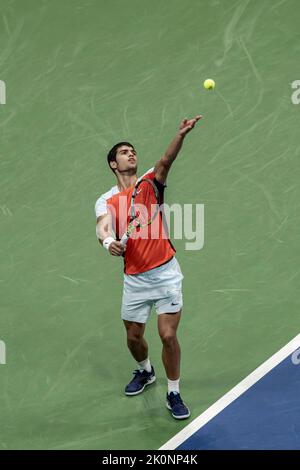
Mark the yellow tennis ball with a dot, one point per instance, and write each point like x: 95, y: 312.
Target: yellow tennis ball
x: 209, y: 84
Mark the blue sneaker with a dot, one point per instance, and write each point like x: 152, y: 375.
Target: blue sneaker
x: 176, y: 406
x: 141, y: 379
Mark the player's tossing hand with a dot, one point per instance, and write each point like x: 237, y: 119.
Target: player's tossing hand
x: 116, y: 248
x: 188, y: 124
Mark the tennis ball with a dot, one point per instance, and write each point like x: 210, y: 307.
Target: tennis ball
x: 209, y: 84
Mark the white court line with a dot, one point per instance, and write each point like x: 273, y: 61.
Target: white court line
x: 232, y: 395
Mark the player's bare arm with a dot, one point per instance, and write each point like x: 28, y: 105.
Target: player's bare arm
x: 105, y: 232
x: 163, y: 165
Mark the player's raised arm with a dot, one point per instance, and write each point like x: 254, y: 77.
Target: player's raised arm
x: 105, y: 235
x: 163, y: 165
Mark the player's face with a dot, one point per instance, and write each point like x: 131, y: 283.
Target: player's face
x: 126, y: 159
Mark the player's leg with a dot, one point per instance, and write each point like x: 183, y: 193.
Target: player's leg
x: 138, y: 347
x: 167, y: 328
x: 168, y: 307
x: 135, y: 340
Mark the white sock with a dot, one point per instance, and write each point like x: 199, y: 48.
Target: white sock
x: 145, y: 365
x: 173, y: 386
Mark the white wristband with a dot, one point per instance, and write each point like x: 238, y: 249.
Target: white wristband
x: 108, y: 241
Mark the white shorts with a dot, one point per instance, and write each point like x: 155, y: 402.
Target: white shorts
x: 161, y: 287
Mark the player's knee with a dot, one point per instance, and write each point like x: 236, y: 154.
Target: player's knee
x: 168, y: 338
x: 133, y: 339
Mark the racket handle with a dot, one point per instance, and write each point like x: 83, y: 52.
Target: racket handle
x: 124, y: 239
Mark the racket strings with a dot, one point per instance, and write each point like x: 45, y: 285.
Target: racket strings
x: 144, y: 202
x: 144, y: 205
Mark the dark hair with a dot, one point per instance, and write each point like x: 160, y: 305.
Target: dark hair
x: 111, y: 156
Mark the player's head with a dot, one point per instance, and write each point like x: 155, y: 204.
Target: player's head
x: 122, y: 158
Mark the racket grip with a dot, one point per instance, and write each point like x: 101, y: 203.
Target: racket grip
x: 124, y: 239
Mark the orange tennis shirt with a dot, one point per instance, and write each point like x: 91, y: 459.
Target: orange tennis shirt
x: 142, y: 254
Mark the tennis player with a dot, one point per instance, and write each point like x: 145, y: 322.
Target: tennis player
x: 152, y: 275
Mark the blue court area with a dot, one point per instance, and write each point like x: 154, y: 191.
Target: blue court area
x: 262, y: 412
x: 267, y: 416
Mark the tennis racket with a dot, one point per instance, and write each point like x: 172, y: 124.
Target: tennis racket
x: 144, y: 207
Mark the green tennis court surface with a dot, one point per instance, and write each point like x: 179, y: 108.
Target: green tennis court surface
x: 81, y: 75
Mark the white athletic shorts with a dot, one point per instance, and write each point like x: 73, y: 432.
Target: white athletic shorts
x: 160, y: 287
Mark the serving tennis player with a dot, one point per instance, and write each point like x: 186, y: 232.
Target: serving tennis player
x: 152, y: 275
